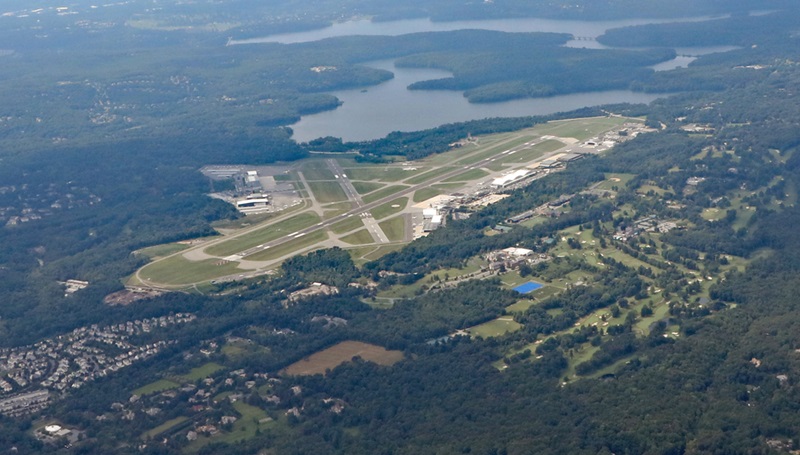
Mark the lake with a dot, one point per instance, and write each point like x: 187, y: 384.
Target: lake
x: 583, y: 29
x: 376, y: 111
x: 373, y: 112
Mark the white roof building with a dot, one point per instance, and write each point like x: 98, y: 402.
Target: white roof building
x: 518, y: 252
x: 508, y: 179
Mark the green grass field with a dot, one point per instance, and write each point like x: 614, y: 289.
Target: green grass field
x: 383, y: 192
x: 327, y: 192
x: 364, y: 254
x: 361, y: 237
x: 179, y: 271
x: 496, y: 167
x: 494, y: 150
x: 155, y: 387
x: 265, y: 234
x: 495, y: 328
x: 472, y: 174
x: 580, y: 129
x: 521, y: 306
x: 430, y: 175
x: 425, y: 194
x: 394, y: 228
x: 644, y: 189
x: 169, y: 424
x: 202, y: 372
x: 615, y: 180
x: 383, y: 173
x: 316, y: 170
x: 328, y: 214
x: 348, y: 224
x: 294, y: 245
x: 530, y: 154
x: 713, y: 214
x: 367, y: 187
x: 389, y: 208
x: 252, y: 420
x: 159, y: 251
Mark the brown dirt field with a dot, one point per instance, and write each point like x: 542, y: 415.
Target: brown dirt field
x: 128, y: 296
x: 336, y: 355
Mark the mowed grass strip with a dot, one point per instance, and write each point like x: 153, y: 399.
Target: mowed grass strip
x: 251, y: 422
x: 530, y: 154
x: 495, y: 150
x: 362, y: 237
x: 389, y: 208
x: 581, y: 129
x: 348, y: 224
x: 328, y: 359
x: 202, y: 372
x: 328, y: 214
x: 495, y: 328
x: 394, y: 228
x: 425, y: 194
x: 177, y: 270
x: 157, y: 386
x: 383, y: 192
x: 159, y: 251
x: 317, y: 170
x: 472, y: 174
x: 293, y: 246
x: 367, y: 187
x: 326, y: 192
x: 430, y: 175
x: 382, y: 251
x: 169, y: 424
x: 383, y: 173
x: 265, y: 234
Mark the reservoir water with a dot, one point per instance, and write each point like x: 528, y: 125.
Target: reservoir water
x: 373, y: 112
x: 390, y: 106
x: 583, y: 29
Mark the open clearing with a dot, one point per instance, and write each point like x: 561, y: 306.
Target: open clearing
x: 429, y: 175
x: 159, y: 251
x: 529, y: 154
x: 367, y: 187
x: 383, y: 192
x: 317, y: 170
x: 255, y: 238
x: 177, y: 270
x: 389, y: 208
x: 328, y: 359
x: 289, y: 247
x: 202, y: 372
x: 350, y: 224
x: 251, y: 421
x: 326, y: 192
x: 383, y: 174
x: 495, y: 328
x: 361, y: 237
x: 394, y: 228
x: 425, y: 194
x: 157, y: 386
x: 472, y: 174
x: 164, y: 427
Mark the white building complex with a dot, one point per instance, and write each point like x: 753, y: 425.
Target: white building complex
x: 508, y: 179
